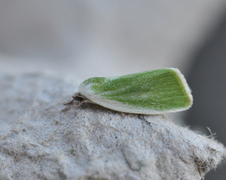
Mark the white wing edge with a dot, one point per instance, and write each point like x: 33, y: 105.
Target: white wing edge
x: 187, y: 88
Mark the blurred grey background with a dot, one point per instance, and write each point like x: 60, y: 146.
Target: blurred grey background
x: 82, y: 39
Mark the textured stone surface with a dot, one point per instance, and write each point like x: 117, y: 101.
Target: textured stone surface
x: 39, y: 141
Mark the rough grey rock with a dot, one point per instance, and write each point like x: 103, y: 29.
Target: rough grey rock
x: 39, y: 141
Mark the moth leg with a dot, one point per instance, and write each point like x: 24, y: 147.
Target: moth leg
x: 83, y: 101
x: 141, y: 116
x: 123, y: 115
x: 77, y: 97
x: 69, y: 103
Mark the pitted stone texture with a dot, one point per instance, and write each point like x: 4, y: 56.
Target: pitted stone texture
x: 39, y: 141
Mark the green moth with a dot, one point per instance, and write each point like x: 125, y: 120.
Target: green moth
x: 150, y: 92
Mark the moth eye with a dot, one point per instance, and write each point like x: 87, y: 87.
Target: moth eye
x: 78, y: 98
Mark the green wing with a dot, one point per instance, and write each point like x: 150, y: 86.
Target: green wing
x: 158, y: 90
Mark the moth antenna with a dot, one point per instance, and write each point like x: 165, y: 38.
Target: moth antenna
x: 69, y: 102
x: 67, y: 108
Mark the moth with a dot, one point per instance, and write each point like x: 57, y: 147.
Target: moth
x: 150, y: 92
